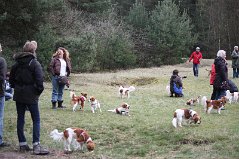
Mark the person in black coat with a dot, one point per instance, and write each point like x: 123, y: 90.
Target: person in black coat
x: 3, y: 71
x: 220, y: 84
x: 26, y: 77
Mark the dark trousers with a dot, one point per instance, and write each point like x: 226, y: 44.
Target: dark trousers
x: 235, y: 72
x: 35, y: 115
x: 195, y: 69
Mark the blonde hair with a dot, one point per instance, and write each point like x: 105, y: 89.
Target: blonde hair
x: 0, y: 47
x: 221, y: 53
x: 66, y: 54
x: 30, y: 47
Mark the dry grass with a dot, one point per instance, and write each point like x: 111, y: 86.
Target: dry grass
x: 148, y: 132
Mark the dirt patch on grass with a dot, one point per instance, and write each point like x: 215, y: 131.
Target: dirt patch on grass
x: 195, y: 142
x: 11, y: 155
x: 141, y: 81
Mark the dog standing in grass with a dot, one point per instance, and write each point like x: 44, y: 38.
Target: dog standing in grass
x: 125, y: 91
x: 94, y: 104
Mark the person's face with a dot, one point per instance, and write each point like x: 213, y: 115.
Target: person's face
x: 60, y: 53
x: 236, y: 48
x: 197, y: 50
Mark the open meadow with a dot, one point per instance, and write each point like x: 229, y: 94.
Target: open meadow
x: 148, y: 132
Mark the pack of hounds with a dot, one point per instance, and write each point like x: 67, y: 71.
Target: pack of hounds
x: 77, y: 137
x: 192, y: 116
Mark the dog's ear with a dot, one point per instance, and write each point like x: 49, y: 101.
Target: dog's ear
x: 90, y: 146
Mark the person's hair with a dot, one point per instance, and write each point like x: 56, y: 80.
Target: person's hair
x: 29, y: 47
x: 175, y: 72
x: 0, y: 47
x: 34, y: 42
x: 221, y: 53
x: 235, y: 47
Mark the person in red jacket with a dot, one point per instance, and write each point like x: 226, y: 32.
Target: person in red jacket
x: 196, y: 56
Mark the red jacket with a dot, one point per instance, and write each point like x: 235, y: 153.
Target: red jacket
x: 195, y: 56
x: 212, y: 75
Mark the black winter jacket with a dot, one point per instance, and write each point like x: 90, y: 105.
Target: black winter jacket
x: 26, y: 77
x: 221, y: 72
x: 3, y: 71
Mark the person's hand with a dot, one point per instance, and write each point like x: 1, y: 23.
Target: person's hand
x: 187, y: 62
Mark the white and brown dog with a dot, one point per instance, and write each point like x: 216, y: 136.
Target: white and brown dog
x: 76, y: 100
x: 190, y: 115
x: 231, y: 97
x: 122, y: 110
x: 94, y: 104
x: 125, y: 91
x: 192, y: 102
x: 75, y: 137
x: 213, y: 104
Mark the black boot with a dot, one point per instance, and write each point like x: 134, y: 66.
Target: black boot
x: 60, y: 104
x: 53, y: 105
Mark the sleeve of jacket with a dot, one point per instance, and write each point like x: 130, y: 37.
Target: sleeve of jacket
x: 39, y: 77
x: 234, y: 55
x: 191, y: 57
x: 12, y: 76
x: 3, y: 71
x: 51, y: 66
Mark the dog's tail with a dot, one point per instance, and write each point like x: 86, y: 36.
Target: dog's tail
x: 204, y: 102
x: 174, y: 122
x: 131, y: 88
x: 57, y: 136
x: 113, y: 110
x: 72, y: 94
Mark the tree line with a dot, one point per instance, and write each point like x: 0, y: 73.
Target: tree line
x: 106, y: 35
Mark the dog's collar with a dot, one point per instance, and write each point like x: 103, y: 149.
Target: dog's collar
x: 88, y: 140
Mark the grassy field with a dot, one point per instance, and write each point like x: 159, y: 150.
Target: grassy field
x: 148, y: 132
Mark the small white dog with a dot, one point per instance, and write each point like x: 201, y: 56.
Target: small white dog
x: 125, y: 91
x: 190, y: 115
x: 231, y: 97
x: 75, y: 137
x: 94, y: 103
x: 122, y: 110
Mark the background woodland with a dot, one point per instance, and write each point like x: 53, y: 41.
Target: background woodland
x: 105, y: 35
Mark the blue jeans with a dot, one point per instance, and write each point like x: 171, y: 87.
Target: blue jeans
x: 2, y: 99
x: 35, y: 115
x: 235, y: 72
x: 195, y: 69
x: 219, y: 93
x: 57, y: 90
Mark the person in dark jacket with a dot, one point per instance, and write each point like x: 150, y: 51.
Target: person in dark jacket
x: 220, y: 84
x: 176, y: 85
x: 233, y: 87
x: 26, y: 77
x: 60, y: 66
x: 3, y: 71
x: 235, y: 62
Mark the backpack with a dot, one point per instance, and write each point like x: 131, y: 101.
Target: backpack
x: 178, y: 90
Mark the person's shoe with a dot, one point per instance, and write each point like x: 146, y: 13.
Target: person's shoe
x: 39, y: 150
x: 25, y: 148
x: 4, y: 144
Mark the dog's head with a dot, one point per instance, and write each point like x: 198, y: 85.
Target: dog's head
x: 125, y: 105
x: 84, y: 94
x: 189, y: 102
x: 90, y: 146
x: 92, y: 99
x: 197, y: 119
x: 224, y: 100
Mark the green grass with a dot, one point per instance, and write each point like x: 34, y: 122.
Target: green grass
x: 148, y: 132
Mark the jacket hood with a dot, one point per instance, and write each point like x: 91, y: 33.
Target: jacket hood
x: 24, y: 57
x: 219, y: 60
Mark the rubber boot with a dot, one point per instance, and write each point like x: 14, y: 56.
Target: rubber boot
x: 53, y: 105
x: 60, y: 104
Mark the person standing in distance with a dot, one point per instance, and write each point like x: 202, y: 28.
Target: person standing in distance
x: 235, y: 62
x: 196, y: 56
x: 26, y: 77
x: 3, y: 71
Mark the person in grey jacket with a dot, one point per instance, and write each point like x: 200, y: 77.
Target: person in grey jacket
x: 3, y: 71
x: 235, y: 62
